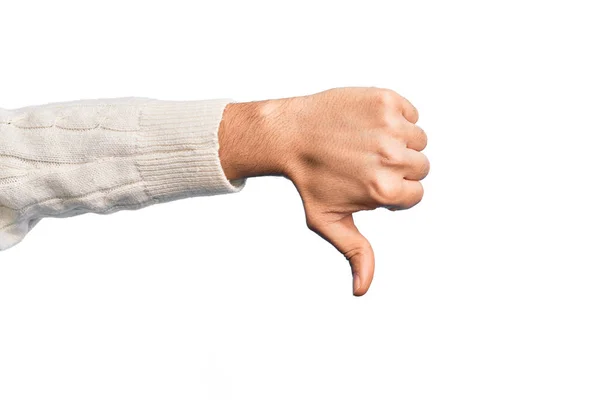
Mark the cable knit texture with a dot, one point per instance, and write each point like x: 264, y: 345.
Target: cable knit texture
x: 105, y: 155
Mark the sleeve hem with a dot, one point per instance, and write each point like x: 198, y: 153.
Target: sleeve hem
x: 178, y: 150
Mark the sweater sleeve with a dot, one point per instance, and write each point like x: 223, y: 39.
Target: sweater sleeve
x: 105, y: 155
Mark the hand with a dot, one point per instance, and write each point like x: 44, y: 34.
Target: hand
x: 345, y: 150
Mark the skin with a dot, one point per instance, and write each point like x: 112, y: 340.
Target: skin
x: 345, y: 149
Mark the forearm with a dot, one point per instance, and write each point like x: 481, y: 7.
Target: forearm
x: 65, y: 159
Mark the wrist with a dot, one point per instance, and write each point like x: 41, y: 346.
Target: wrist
x: 253, y: 139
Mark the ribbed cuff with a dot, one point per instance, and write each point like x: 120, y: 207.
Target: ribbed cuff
x: 178, y: 149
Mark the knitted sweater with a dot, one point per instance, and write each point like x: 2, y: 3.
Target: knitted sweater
x: 105, y: 155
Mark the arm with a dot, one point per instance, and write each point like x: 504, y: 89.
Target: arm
x: 345, y: 150
x: 102, y: 156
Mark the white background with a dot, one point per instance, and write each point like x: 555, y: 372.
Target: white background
x: 488, y: 289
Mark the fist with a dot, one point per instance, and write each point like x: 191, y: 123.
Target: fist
x: 353, y: 149
x: 345, y: 150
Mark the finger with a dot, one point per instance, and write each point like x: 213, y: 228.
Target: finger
x: 410, y: 195
x: 415, y: 165
x: 415, y: 138
x: 409, y: 111
x: 346, y: 238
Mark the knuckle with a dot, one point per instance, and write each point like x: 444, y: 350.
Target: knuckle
x: 385, y: 97
x: 413, y: 134
x: 414, y: 114
x: 420, y: 194
x: 391, y: 156
x: 388, y: 153
x: 415, y: 197
x: 418, y: 132
x: 383, y: 192
x: 424, y: 168
x: 424, y: 138
x: 420, y: 137
x: 386, y: 109
x: 391, y: 118
x: 353, y: 252
x: 410, y: 204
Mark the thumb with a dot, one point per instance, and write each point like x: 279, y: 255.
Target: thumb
x: 345, y: 237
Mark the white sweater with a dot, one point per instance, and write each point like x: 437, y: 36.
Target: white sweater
x: 105, y: 155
